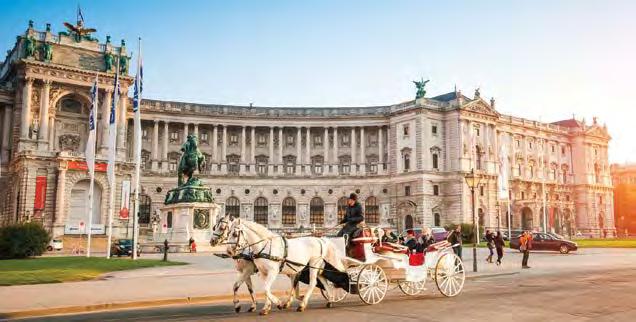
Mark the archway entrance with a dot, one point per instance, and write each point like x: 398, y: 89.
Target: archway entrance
x: 408, y: 222
x: 556, y: 221
x: 526, y: 218
x: 78, y: 210
x: 567, y: 222
x: 406, y: 211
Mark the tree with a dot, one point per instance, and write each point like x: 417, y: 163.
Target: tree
x: 23, y: 240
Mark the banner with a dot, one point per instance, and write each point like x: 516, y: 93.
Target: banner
x: 504, y: 173
x: 125, y: 200
x: 81, y: 165
x: 40, y: 193
x: 80, y: 228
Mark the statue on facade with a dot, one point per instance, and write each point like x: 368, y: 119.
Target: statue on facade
x: 191, y: 159
x: 123, y: 65
x: 108, y: 61
x: 29, y: 46
x: 79, y: 31
x: 421, y: 92
x: 47, y: 49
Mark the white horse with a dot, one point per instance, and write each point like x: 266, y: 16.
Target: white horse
x: 273, y: 254
x: 244, y: 266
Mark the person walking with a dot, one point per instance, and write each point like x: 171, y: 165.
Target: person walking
x: 490, y: 243
x: 455, y: 238
x: 499, y: 245
x: 525, y: 245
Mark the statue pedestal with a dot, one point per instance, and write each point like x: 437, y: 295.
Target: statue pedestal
x: 182, y: 221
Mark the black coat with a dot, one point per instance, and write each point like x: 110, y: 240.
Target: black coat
x: 499, y: 242
x: 455, y: 237
x: 352, y: 218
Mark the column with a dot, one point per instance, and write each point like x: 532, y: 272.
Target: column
x: 185, y: 132
x: 270, y: 166
x: 155, y: 146
x: 325, y: 150
x: 51, y: 137
x: 164, y: 152
x: 122, y: 120
x: 25, y: 116
x: 380, y: 150
x: 308, y: 151
x: 224, y: 151
x: 59, y: 204
x: 298, y: 152
x: 215, y: 141
x: 253, y: 150
x: 242, y: 166
x: 6, y: 132
x: 280, y: 150
x: 106, y: 102
x: 354, y: 158
x: 43, y: 133
x: 196, y: 130
x: 335, y: 150
x: 363, y: 157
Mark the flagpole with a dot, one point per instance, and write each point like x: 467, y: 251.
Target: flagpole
x: 137, y: 124
x: 91, y: 167
x: 111, y: 156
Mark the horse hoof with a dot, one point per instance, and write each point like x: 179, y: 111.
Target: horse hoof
x: 264, y: 312
x: 252, y: 309
x: 281, y: 306
x: 300, y: 309
x: 287, y: 305
x: 329, y: 305
x: 237, y: 309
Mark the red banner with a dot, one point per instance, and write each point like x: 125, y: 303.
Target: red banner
x: 81, y: 165
x: 551, y: 216
x: 40, y: 192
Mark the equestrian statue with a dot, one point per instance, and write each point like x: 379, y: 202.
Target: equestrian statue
x: 191, y: 159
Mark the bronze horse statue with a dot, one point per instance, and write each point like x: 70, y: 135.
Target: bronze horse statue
x: 191, y: 159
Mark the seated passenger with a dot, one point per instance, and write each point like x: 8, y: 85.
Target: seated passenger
x: 410, y: 242
x: 389, y: 236
x: 425, y: 240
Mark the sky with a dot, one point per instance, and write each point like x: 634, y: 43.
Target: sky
x: 543, y: 60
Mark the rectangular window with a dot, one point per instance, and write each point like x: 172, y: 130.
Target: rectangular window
x: 523, y: 195
x: 563, y: 150
x: 345, y: 140
x: 144, y: 134
x: 261, y: 139
x: 373, y: 168
x: 434, y: 129
x: 172, y: 166
x: 477, y: 133
x: 552, y: 148
x: 204, y: 137
x: 435, y: 161
x: 435, y: 190
x: 373, y: 140
x: 481, y: 191
x: 405, y: 130
x: 174, y: 136
x: 290, y: 140
x: 317, y: 140
x: 407, y: 190
x: 234, y: 139
x: 518, y: 143
x: 317, y: 168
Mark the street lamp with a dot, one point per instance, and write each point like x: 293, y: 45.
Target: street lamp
x: 472, y: 181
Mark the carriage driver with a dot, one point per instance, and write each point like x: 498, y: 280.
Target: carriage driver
x: 352, y: 217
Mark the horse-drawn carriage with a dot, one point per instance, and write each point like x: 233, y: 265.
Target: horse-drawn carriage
x: 373, y: 265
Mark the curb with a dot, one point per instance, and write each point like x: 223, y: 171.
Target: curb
x: 474, y: 277
x: 127, y: 305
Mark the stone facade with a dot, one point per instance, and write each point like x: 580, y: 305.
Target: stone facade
x: 291, y: 167
x: 624, y: 180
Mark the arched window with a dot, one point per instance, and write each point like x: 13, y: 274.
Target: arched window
x: 289, y: 211
x: 144, y: 209
x: 437, y: 219
x: 233, y: 207
x: 371, y: 210
x: 70, y: 104
x: 407, y: 161
x: 316, y: 211
x: 342, y: 208
x: 260, y: 210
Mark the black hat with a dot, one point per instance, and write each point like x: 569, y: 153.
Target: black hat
x: 353, y: 196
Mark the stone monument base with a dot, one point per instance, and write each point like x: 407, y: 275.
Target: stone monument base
x: 182, y: 221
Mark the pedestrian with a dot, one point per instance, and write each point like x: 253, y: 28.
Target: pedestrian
x: 455, y: 238
x: 499, y: 245
x: 490, y: 243
x: 525, y: 245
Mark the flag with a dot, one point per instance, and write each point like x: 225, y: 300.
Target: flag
x: 112, y: 132
x: 90, y: 143
x: 504, y: 169
x: 137, y: 117
x: 80, y: 16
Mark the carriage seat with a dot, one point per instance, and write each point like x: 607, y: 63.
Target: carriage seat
x: 435, y: 247
x: 390, y: 247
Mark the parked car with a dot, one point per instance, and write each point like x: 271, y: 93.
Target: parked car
x: 547, y: 242
x: 123, y: 247
x: 439, y: 233
x: 55, y: 244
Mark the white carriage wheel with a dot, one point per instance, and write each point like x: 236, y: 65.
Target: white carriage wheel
x: 372, y: 284
x: 450, y: 274
x: 412, y: 288
x: 337, y: 294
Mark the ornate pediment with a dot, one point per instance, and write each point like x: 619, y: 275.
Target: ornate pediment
x: 479, y: 106
x: 597, y: 131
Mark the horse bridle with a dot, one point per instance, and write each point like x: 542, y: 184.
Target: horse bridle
x: 223, y: 235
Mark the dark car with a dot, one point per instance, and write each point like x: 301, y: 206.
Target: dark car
x: 123, y: 247
x: 547, y: 242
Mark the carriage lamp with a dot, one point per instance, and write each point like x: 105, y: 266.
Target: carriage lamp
x: 472, y: 181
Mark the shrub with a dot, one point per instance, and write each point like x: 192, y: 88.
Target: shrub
x: 468, y: 234
x: 23, y: 240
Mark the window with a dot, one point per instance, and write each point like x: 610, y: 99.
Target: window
x: 407, y: 190
x: 317, y: 140
x: 406, y: 159
x: 233, y: 207
x: 144, y: 134
x: 567, y: 197
x: 204, y: 136
x: 405, y: 130
x: 564, y: 176
x: 234, y: 138
x: 173, y: 159
x: 290, y: 164
x: 373, y: 139
x: 530, y: 145
x: 563, y: 150
x: 478, y: 158
x: 233, y: 166
x: 345, y: 139
x: 261, y: 164
x: 145, y: 158
x: 553, y: 174
x: 531, y: 171
x: 435, y: 190
x: 290, y: 140
x: 437, y: 219
x: 523, y: 195
x: 174, y: 136
x: 144, y: 209
x: 371, y: 210
x: 289, y: 211
x: 342, y: 208
x: 481, y: 190
x: 435, y: 161
x: 260, y: 210
x: 71, y: 105
x: 261, y: 139
x: 169, y: 219
x: 317, y: 164
x: 345, y: 164
x: 552, y: 148
x: 518, y: 143
x: 316, y: 211
x: 434, y: 129
x: 477, y: 133
x: 372, y: 165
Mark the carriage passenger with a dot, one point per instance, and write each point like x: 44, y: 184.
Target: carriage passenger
x: 425, y: 240
x: 411, y: 242
x: 389, y: 236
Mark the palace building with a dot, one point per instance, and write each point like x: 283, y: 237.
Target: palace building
x: 624, y: 179
x: 286, y: 167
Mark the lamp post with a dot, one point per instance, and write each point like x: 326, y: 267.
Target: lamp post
x: 498, y: 217
x: 472, y: 181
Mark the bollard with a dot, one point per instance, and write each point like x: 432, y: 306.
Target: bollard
x: 165, y: 250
